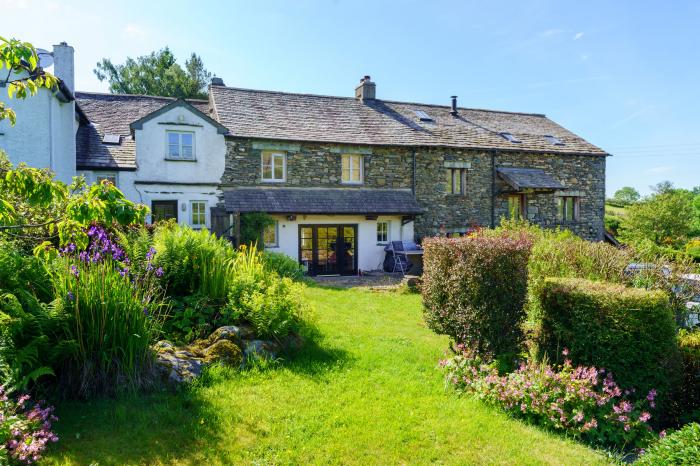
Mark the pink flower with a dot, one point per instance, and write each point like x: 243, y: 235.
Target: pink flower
x: 662, y: 434
x: 565, y: 352
x: 651, y: 395
x: 644, y: 417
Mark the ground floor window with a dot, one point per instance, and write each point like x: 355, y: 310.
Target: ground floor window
x: 163, y: 210
x: 270, y: 235
x: 198, y: 214
x: 383, y: 236
x: 516, y: 206
x: 568, y: 208
x: 109, y: 176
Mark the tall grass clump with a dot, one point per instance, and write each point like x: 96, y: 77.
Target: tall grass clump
x: 115, y: 316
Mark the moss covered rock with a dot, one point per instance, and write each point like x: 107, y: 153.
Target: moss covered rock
x: 223, y: 351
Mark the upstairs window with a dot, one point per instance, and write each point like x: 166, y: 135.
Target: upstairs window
x: 109, y: 176
x: 456, y: 181
x: 516, y: 206
x: 352, y: 167
x: 568, y: 208
x: 274, y: 166
x: 198, y: 214
x: 180, y: 145
x: 383, y: 233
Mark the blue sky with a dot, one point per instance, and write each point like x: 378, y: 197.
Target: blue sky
x: 625, y: 74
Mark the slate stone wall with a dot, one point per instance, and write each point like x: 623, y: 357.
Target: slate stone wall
x: 319, y: 165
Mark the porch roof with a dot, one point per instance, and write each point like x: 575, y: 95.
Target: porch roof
x: 322, y: 201
x: 528, y: 178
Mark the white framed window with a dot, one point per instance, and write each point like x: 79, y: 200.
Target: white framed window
x: 383, y: 232
x: 109, y: 176
x: 568, y: 208
x: 352, y: 169
x: 274, y: 166
x: 271, y: 235
x: 198, y: 214
x: 179, y: 145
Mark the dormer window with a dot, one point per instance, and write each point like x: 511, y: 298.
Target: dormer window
x: 554, y: 140
x: 509, y: 137
x: 180, y: 145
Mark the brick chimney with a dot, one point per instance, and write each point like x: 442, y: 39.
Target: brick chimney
x: 64, y: 64
x: 366, y: 90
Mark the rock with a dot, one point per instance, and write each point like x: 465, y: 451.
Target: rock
x: 179, y: 367
x: 260, y: 349
x: 164, y: 346
x: 223, y: 351
x: 293, y: 342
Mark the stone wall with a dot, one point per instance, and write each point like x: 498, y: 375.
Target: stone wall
x: 319, y: 165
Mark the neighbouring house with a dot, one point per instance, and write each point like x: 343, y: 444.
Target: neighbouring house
x: 341, y: 176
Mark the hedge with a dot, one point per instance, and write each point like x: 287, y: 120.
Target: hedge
x: 689, y: 393
x: 474, y: 289
x: 630, y: 332
x: 680, y: 447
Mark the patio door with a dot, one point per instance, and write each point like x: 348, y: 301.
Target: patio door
x: 328, y: 249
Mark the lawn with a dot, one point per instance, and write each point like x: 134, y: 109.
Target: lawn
x: 365, y: 391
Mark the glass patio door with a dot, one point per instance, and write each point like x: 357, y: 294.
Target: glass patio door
x: 328, y: 249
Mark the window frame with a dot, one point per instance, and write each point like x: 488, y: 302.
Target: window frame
x: 453, y: 175
x: 180, y: 157
x: 276, y: 229
x: 273, y: 155
x: 387, y: 233
x: 99, y: 176
x: 522, y: 202
x: 204, y: 212
x: 350, y: 156
x: 562, y: 209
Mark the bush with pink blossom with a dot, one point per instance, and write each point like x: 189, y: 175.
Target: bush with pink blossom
x: 584, y: 402
x: 25, y: 429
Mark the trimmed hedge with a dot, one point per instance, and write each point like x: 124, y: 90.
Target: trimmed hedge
x: 474, y: 289
x: 680, y: 447
x: 689, y: 396
x: 630, y: 332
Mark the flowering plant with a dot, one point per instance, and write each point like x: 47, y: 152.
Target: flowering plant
x: 25, y: 429
x: 582, y: 401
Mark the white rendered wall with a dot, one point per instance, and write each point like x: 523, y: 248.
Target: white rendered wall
x: 370, y: 254
x: 158, y: 179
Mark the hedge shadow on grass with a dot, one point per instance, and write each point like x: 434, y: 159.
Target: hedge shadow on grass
x: 162, y: 427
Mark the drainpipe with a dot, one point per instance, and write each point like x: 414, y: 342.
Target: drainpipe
x: 493, y: 189
x: 413, y: 189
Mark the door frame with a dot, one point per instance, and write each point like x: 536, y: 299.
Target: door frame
x: 314, y: 245
x: 174, y: 202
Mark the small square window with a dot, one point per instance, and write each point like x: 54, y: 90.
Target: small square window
x: 568, y: 208
x: 111, y: 177
x: 198, y: 214
x: 270, y: 235
x: 383, y: 232
x: 274, y: 166
x: 352, y: 168
x: 180, y: 145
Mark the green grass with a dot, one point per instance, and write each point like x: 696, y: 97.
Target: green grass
x: 616, y: 211
x: 366, y: 391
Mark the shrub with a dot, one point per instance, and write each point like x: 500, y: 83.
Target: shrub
x: 474, y: 290
x: 252, y: 226
x: 630, y: 332
x: 680, y: 447
x: 284, y: 265
x: 25, y: 429
x: 692, y: 248
x: 584, y: 402
x: 689, y: 392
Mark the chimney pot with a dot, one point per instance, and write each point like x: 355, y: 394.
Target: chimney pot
x: 454, y: 106
x: 367, y: 90
x: 215, y: 81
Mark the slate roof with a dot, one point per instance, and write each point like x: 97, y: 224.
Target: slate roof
x: 346, y: 120
x: 112, y: 114
x: 321, y: 201
x: 528, y: 178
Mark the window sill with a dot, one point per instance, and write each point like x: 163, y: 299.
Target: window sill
x: 272, y: 246
x: 172, y: 159
x: 352, y: 183
x: 262, y: 180
x: 383, y: 244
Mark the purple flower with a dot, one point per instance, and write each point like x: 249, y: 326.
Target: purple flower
x: 69, y: 296
x: 124, y: 271
x: 74, y: 270
x: 652, y: 394
x: 159, y: 272
x: 151, y: 252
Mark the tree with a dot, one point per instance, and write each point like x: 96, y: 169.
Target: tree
x: 24, y: 76
x: 157, y: 73
x: 666, y: 219
x: 626, y: 195
x: 662, y: 187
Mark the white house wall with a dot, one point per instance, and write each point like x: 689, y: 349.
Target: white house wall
x: 370, y: 254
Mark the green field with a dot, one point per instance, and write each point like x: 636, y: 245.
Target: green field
x: 366, y: 390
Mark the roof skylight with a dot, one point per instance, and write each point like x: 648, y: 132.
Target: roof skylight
x: 422, y: 116
x: 111, y: 139
x: 509, y: 137
x: 554, y: 140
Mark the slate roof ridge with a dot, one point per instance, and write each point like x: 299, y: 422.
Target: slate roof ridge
x: 354, y: 99
x: 88, y: 94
